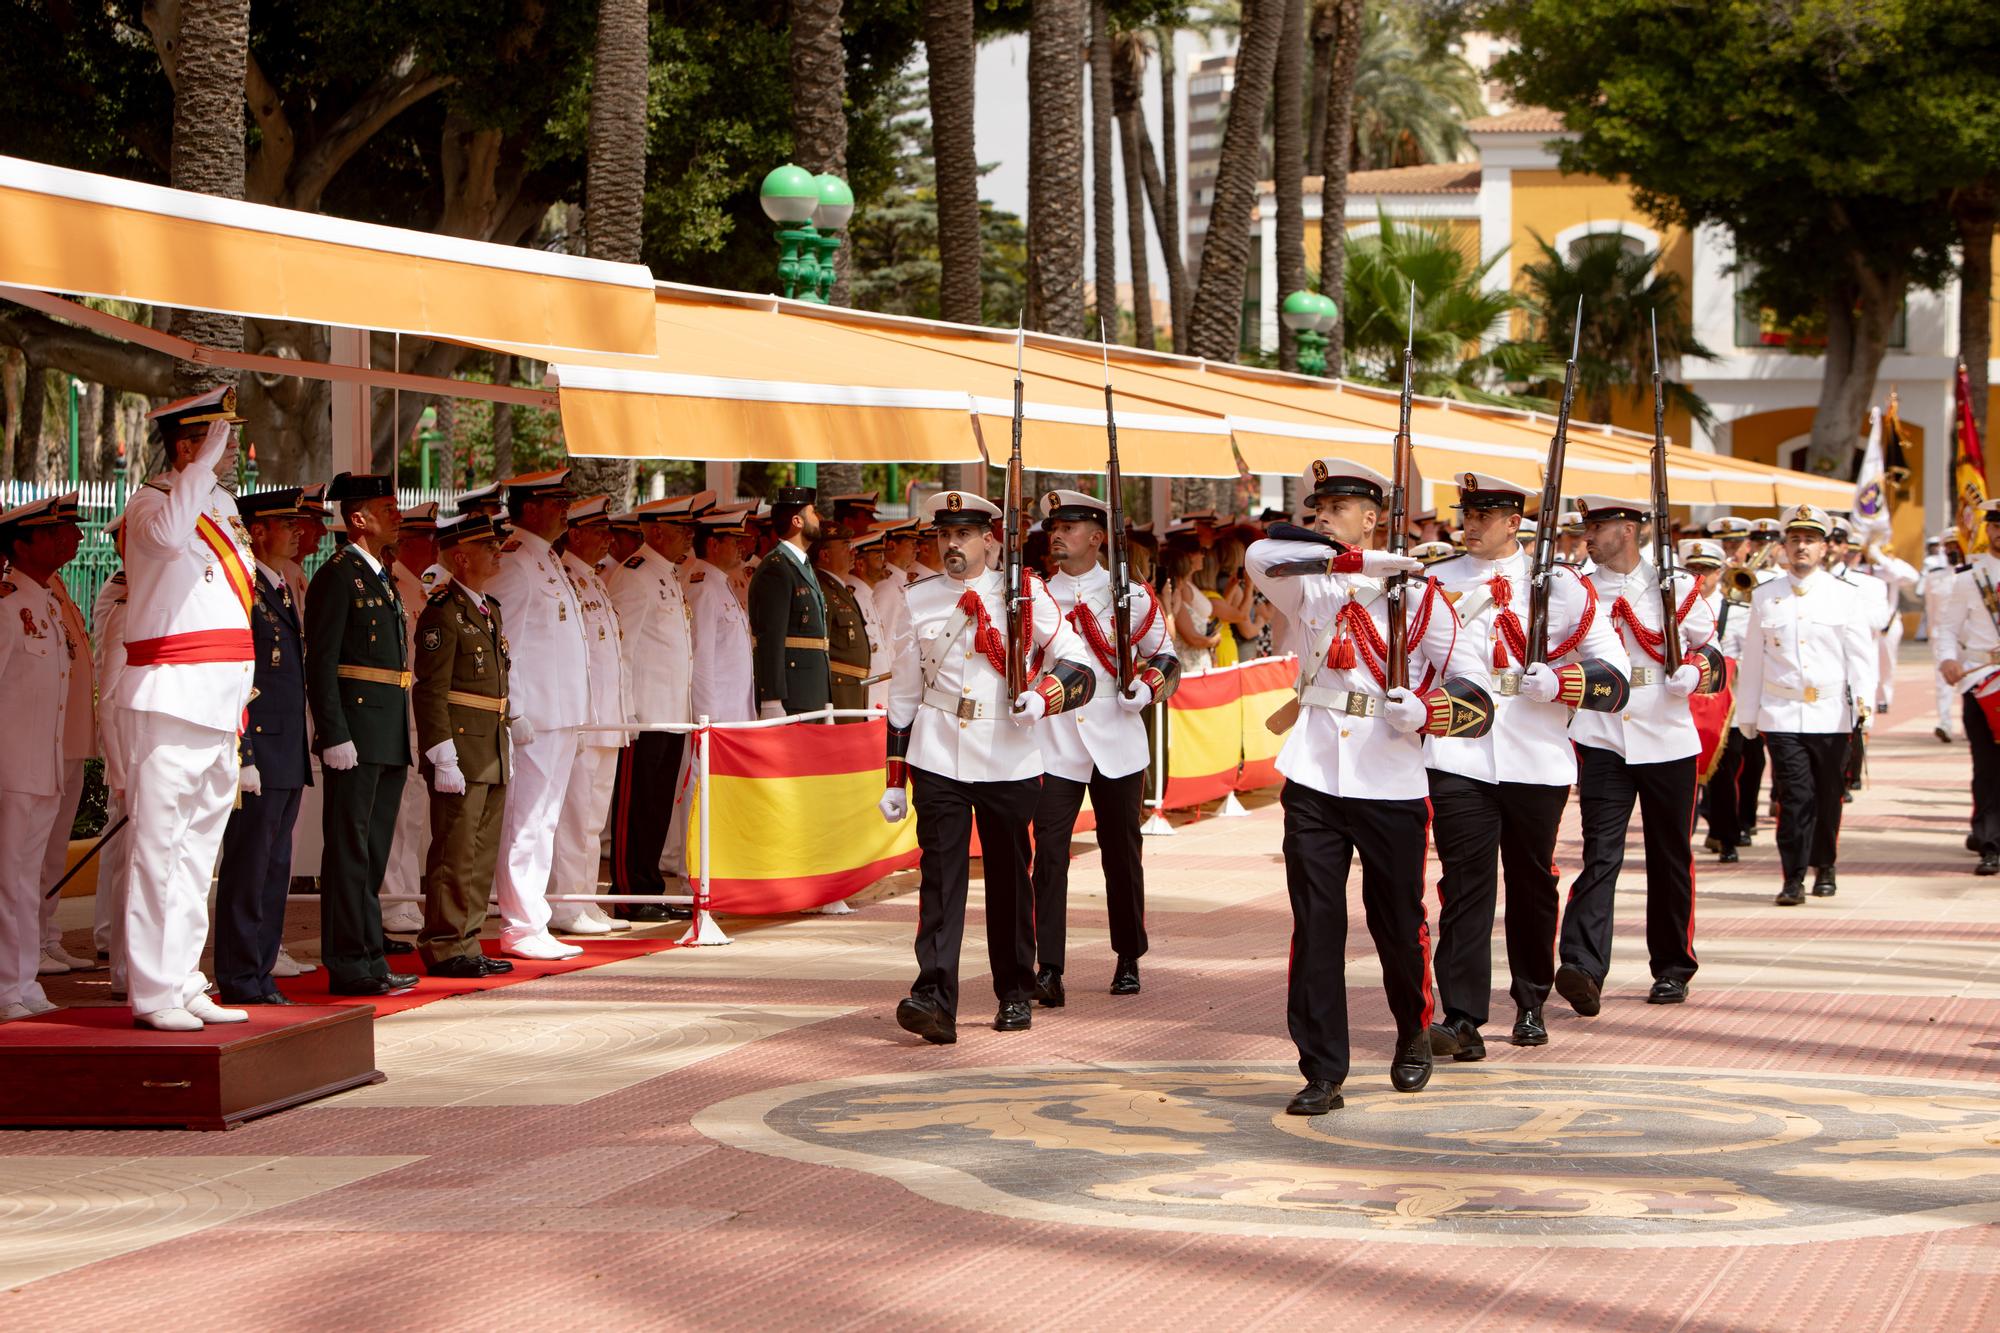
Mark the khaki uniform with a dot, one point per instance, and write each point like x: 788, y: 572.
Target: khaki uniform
x: 848, y: 650
x: 461, y: 664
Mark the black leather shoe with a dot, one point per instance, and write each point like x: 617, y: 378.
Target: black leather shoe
x: 1667, y: 991
x: 392, y: 945
x: 646, y: 913
x: 1125, y: 977
x: 1971, y: 843
x: 1745, y: 839
x: 1049, y: 988
x: 1411, y: 1068
x: 1529, y: 1029
x: 1458, y: 1038
x: 1315, y: 1098
x: 1989, y: 864
x: 675, y: 912
x: 1727, y: 856
x: 492, y: 966
x: 927, y: 1019
x: 1014, y: 1016
x: 1823, y: 883
x: 393, y: 984
x: 1585, y: 995
x: 269, y: 997
x: 1794, y: 892
x: 458, y: 969
x: 1847, y: 797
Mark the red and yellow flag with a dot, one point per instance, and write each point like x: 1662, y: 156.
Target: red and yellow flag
x: 233, y: 567
x: 1968, y: 471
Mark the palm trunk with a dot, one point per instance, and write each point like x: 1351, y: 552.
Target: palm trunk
x: 1055, y: 171
x: 1168, y: 218
x: 819, y: 97
x: 1288, y: 163
x: 1127, y: 69
x: 1103, y: 187
x: 1323, y: 25
x: 1975, y: 215
x: 1336, y: 155
x: 503, y: 423
x: 951, y: 54
x: 211, y: 54
x: 34, y: 410
x: 1216, y: 321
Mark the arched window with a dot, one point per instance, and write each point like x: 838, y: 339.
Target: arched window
x: 1633, y: 238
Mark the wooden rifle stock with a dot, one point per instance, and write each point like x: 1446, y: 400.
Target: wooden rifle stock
x: 1663, y: 546
x: 1013, y: 537
x: 1548, y: 521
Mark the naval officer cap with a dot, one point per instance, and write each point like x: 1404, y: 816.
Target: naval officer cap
x: 960, y: 509
x: 870, y: 542
x: 1330, y: 478
x: 1432, y: 552
x: 854, y: 502
x: 1989, y: 511
x: 1529, y: 530
x: 354, y: 487
x: 593, y: 511
x: 218, y: 404
x: 734, y: 522
x: 1602, y: 508
x: 20, y: 522
x: 681, y: 509
x: 1481, y: 490
x: 1699, y: 553
x: 550, y: 485
x: 1807, y: 518
x: 1765, y: 530
x: 469, y: 528
x: 1729, y: 527
x: 481, y: 499
x: 1075, y: 507
x: 262, y: 505
x: 421, y: 520
x: 1571, y: 521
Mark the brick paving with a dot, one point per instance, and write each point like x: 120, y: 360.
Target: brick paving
x: 741, y: 1137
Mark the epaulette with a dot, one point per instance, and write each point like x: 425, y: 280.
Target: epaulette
x: 119, y: 577
x: 441, y: 594
x: 427, y: 578
x: 697, y: 576
x: 636, y: 562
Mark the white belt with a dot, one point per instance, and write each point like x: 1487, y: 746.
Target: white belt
x: 962, y: 707
x: 1644, y: 676
x: 1804, y: 694
x: 1351, y: 702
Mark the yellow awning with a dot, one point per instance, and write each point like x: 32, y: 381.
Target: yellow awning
x: 76, y: 232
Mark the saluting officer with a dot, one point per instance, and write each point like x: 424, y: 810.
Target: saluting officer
x: 37, y: 655
x: 358, y: 682
x: 461, y: 707
x: 1354, y: 770
x: 256, y: 870
x: 969, y: 754
x: 1805, y: 683
x: 849, y: 649
x: 788, y: 614
x: 723, y: 688
x: 1644, y: 752
x: 1965, y: 641
x: 1099, y: 748
x: 1497, y: 800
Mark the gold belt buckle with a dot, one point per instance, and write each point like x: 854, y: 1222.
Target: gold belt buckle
x: 1509, y: 682
x: 968, y: 710
x: 1642, y: 675
x: 1812, y: 694
x: 1357, y: 704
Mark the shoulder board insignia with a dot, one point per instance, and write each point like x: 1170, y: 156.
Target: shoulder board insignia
x: 1451, y: 596
x: 427, y: 578
x: 697, y: 576
x: 636, y: 562
x: 441, y: 594
x: 119, y: 577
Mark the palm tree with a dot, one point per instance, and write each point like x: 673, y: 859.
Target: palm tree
x: 1162, y: 192
x: 1288, y: 165
x: 1215, y: 323
x: 1973, y: 211
x: 949, y: 51
x: 1623, y: 291
x: 1128, y: 68
x: 1055, y: 168
x: 1460, y: 346
x: 614, y: 218
x: 1331, y: 141
x: 1103, y: 186
x: 1410, y: 106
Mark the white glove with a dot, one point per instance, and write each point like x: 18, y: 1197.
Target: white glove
x: 1380, y: 564
x: 895, y: 803
x: 1029, y: 709
x: 213, y: 445
x: 1682, y: 679
x: 1405, y: 711
x: 444, y: 754
x: 249, y: 781
x: 1749, y: 730
x: 448, y: 780
x: 771, y: 709
x: 1539, y: 684
x: 523, y: 731
x: 340, y: 757
x: 1140, y: 699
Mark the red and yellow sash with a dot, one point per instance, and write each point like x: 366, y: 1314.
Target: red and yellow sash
x: 230, y: 559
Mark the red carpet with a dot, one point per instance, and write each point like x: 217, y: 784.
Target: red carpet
x: 112, y: 1025
x: 312, y: 987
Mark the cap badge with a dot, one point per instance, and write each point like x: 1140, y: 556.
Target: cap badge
x: 1319, y: 470
x: 1471, y: 483
x: 953, y: 501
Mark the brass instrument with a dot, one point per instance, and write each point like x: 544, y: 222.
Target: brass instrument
x: 1738, y: 582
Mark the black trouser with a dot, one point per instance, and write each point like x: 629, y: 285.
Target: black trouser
x: 946, y: 810
x: 1606, y: 788
x: 1483, y: 829
x: 1808, y: 775
x: 1985, y: 778
x: 1750, y: 785
x: 642, y: 806
x: 359, y: 824
x: 1322, y: 834
x: 250, y: 888
x: 1115, y: 801
x: 1725, y: 804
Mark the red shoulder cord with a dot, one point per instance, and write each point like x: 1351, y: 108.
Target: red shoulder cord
x: 1513, y: 636
x: 990, y: 642
x: 1374, y: 649
x: 1651, y: 639
x: 1086, y: 624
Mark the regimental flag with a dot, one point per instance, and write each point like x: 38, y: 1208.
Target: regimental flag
x: 1871, y: 489
x: 1968, y: 471
x: 1895, y: 450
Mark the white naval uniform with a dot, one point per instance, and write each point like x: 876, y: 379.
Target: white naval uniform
x: 107, y: 632
x: 79, y: 744
x: 587, y: 799
x: 184, y: 721
x: 1938, y: 582
x: 1358, y: 757
x: 650, y: 594
x: 1529, y: 741
x: 1963, y: 631
x: 1655, y: 726
x: 1807, y: 656
x: 724, y: 688
x: 1894, y: 576
x: 881, y: 653
x: 1101, y: 737
x: 404, y: 873
x: 36, y: 658
x: 892, y: 608
x: 548, y: 685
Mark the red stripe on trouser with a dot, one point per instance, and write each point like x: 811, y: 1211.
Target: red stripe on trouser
x: 1692, y: 862
x: 1424, y: 925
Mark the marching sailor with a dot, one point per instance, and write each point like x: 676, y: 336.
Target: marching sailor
x: 1354, y: 769
x: 1100, y: 748
x: 1739, y: 770
x: 1804, y: 684
x: 1941, y: 570
x: 1965, y: 641
x: 1496, y: 801
x: 969, y: 756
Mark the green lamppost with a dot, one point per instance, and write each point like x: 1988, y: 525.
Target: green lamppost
x: 1310, y: 315
x: 795, y: 199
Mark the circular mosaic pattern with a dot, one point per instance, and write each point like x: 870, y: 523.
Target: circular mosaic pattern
x: 1560, y: 1155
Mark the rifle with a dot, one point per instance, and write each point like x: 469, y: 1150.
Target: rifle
x: 1549, y: 519
x: 1663, y: 547
x: 1121, y: 569
x: 1398, y: 676
x: 1013, y: 536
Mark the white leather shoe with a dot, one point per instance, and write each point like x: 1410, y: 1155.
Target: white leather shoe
x: 544, y: 948
x: 62, y: 955
x: 168, y: 1020
x: 580, y: 923
x: 402, y: 923
x: 838, y: 908
x: 50, y: 965
x: 10, y: 1012
x: 288, y: 966
x: 40, y: 1004
x: 208, y: 1011
x: 597, y: 913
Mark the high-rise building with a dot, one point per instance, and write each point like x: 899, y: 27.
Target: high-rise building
x: 1209, y: 86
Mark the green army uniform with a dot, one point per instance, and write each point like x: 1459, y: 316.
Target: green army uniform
x: 848, y: 651
x: 461, y: 697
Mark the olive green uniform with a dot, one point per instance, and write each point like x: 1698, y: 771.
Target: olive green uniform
x: 848, y: 651
x: 788, y: 633
x: 461, y: 696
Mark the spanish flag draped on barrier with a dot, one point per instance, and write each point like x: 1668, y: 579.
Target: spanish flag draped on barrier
x: 1216, y: 739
